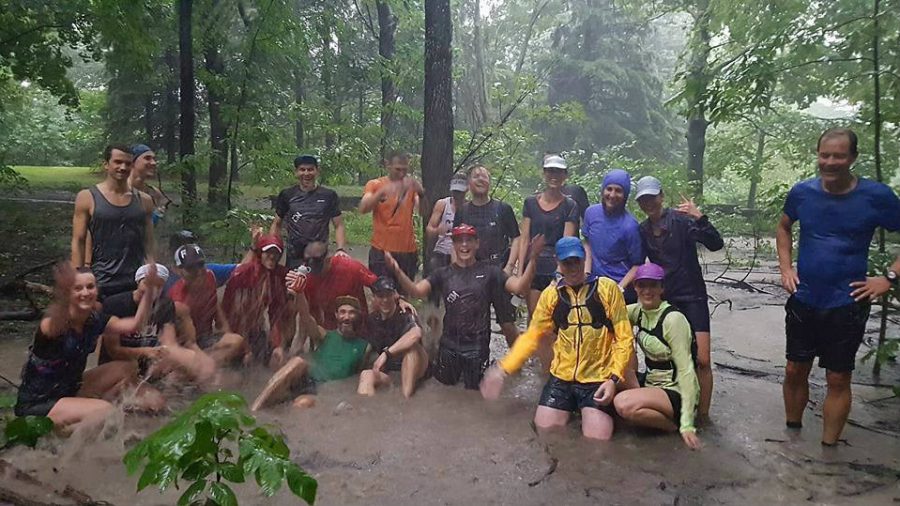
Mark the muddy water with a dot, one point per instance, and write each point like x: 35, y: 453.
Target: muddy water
x: 448, y: 446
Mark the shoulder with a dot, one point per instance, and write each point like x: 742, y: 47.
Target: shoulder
x: 607, y: 288
x: 326, y: 192
x: 805, y: 187
x: 876, y: 189
x: 146, y: 199
x: 633, y: 310
x: 287, y: 193
x: 592, y: 212
x: 674, y: 318
x: 84, y: 198
x: 374, y: 184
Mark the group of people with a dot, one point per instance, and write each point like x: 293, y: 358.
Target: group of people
x: 595, y: 282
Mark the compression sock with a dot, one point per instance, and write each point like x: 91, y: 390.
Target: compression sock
x: 794, y: 425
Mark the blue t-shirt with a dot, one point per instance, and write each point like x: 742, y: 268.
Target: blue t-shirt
x: 835, y: 234
x: 221, y: 271
x: 615, y: 242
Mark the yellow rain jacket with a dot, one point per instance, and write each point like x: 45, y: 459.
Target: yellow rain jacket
x: 582, y: 352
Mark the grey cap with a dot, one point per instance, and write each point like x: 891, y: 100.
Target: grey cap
x: 555, y: 162
x: 647, y: 185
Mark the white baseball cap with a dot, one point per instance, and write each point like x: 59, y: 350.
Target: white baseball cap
x: 555, y: 162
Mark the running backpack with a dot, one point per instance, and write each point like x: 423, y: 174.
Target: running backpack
x: 594, y: 305
x: 657, y: 331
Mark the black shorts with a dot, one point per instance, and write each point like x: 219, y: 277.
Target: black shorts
x: 41, y: 408
x: 306, y: 386
x: 571, y: 396
x: 675, y: 400
x: 504, y: 310
x: 451, y: 365
x: 409, y: 263
x: 833, y: 334
x: 696, y: 312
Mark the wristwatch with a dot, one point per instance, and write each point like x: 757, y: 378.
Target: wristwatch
x: 614, y: 379
x: 892, y: 277
x: 387, y: 352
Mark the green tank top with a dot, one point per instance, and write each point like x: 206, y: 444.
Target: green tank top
x: 337, y: 357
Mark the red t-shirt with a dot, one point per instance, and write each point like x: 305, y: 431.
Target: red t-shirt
x: 345, y: 277
x: 201, y: 300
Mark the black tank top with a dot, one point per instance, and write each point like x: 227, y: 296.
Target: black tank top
x: 118, y: 239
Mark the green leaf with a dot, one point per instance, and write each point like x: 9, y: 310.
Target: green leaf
x: 232, y: 472
x: 301, y: 484
x: 197, y: 470
x: 26, y: 430
x: 192, y: 493
x: 222, y: 494
x: 149, y: 476
x: 7, y: 401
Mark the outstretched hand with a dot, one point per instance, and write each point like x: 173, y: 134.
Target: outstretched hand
x: 536, y: 246
x: 391, y: 263
x: 688, y: 207
x: 64, y: 279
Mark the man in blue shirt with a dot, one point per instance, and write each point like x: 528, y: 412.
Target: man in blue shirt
x: 827, y: 311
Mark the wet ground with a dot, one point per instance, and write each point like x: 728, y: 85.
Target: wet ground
x: 448, y: 446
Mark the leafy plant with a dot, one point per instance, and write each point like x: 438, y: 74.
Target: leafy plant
x: 23, y: 430
x: 212, y: 442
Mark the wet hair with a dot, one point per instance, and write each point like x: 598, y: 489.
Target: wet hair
x: 832, y: 133
x: 396, y: 154
x: 107, y: 151
x: 306, y: 160
x: 472, y: 168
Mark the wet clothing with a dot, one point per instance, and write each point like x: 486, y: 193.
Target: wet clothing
x: 392, y: 219
x: 450, y: 366
x: 55, y: 366
x: 123, y: 305
x: 552, y: 224
x: 345, y: 276
x: 444, y: 244
x: 577, y: 193
x: 256, y: 304
x: 306, y: 216
x: 697, y: 314
x: 337, y: 357
x: 667, y: 356
x: 675, y: 250
x: 615, y: 242
x: 591, y: 344
x: 496, y: 225
x: 467, y: 293
x: 835, y: 233
x: 832, y: 334
x: 571, y: 396
x: 385, y: 332
x: 117, y: 235
x: 202, y: 301
x: 409, y: 263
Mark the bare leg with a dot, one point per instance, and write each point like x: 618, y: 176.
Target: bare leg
x: 596, y: 424
x: 547, y: 418
x: 796, y: 390
x: 193, y: 363
x: 111, y: 380
x: 279, y: 385
x: 510, y: 332
x: 369, y: 380
x: 837, y: 405
x: 646, y: 407
x: 415, y: 362
x: 70, y: 412
x: 704, y: 374
x: 228, y: 350
x: 305, y: 401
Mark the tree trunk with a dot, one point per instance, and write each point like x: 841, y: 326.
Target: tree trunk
x: 170, y: 138
x: 697, y: 82
x: 437, y: 139
x: 188, y: 120
x: 529, y: 32
x: 218, y: 130
x: 756, y: 175
x: 387, y: 27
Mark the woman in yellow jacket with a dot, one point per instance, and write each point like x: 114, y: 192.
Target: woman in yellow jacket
x: 594, y: 344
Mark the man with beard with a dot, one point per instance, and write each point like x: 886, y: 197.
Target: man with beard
x: 339, y: 354
x: 498, y: 231
x: 613, y: 236
x: 255, y: 303
x: 468, y: 288
x: 120, y: 222
x: 329, y: 278
x: 397, y: 338
x: 306, y: 209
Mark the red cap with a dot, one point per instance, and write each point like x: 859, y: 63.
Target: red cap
x: 464, y: 229
x: 267, y: 241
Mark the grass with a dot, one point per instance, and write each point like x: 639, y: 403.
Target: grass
x: 58, y: 178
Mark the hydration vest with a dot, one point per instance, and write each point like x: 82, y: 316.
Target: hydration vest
x: 594, y: 305
x: 657, y: 332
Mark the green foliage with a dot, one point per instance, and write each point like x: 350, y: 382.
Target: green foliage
x: 21, y: 430
x: 212, y: 443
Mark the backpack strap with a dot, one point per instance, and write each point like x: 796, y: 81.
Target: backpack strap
x: 594, y: 305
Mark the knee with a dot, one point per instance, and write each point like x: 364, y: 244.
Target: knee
x: 838, y: 380
x: 624, y: 405
x: 597, y: 433
x: 232, y: 340
x: 366, y: 376
x: 703, y: 362
x: 796, y: 371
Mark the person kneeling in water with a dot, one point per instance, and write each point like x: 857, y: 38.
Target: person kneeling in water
x: 397, y: 336
x: 671, y: 392
x: 339, y: 354
x: 54, y: 382
x: 593, y: 347
x: 155, y: 346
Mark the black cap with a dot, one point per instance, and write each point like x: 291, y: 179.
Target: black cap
x: 384, y: 284
x: 307, y: 160
x: 189, y: 255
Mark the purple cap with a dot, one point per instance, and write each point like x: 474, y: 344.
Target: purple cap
x: 650, y: 271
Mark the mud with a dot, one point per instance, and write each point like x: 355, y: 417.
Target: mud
x: 448, y: 446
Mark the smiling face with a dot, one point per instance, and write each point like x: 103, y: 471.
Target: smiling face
x: 347, y: 317
x: 386, y: 303
x: 613, y: 198
x: 84, y: 292
x: 465, y: 247
x: 119, y: 165
x: 555, y: 178
x: 270, y: 258
x: 835, y: 158
x: 480, y: 182
x: 306, y: 174
x: 397, y: 168
x: 649, y: 292
x: 651, y: 204
x: 145, y: 165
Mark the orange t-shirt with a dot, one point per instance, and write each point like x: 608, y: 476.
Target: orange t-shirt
x: 392, y: 220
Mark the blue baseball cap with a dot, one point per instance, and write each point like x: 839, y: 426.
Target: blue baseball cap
x: 569, y: 247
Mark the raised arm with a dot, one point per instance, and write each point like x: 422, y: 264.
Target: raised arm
x: 275, y: 227
x: 308, y: 324
x: 522, y: 283
x: 524, y: 235
x: 124, y: 326
x: 420, y: 289
x: 784, y: 243
x: 434, y: 227
x: 80, y: 219
x: 374, y: 191
x: 149, y: 236
x: 340, y: 232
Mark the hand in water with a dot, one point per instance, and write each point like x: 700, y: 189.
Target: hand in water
x: 492, y: 383
x: 277, y: 359
x: 691, y: 440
